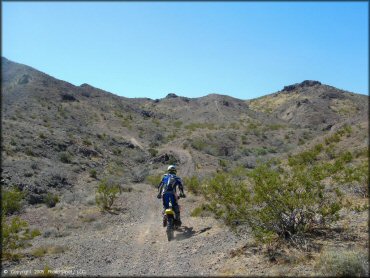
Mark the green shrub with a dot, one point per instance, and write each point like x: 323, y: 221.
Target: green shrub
x: 15, y: 235
x: 13, y: 142
x: 29, y: 152
x: 200, y: 211
x: 86, y: 142
x: 118, y: 114
x: 65, y: 157
x: 45, y: 250
x: 198, y: 144
x: 177, y: 124
x: 356, y: 174
x: 289, y: 202
x: 223, y: 163
x: 154, y: 180
x: 227, y: 196
x: 51, y: 199
x: 343, y: 263
x: 93, y: 173
x: 106, y: 193
x: 11, y: 200
x: 117, y: 151
x: 194, y: 126
x: 153, y: 152
x: 192, y: 184
x: 284, y: 200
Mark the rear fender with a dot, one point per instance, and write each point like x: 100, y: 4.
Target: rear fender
x: 169, y: 212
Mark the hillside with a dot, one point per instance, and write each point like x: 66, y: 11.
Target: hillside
x: 61, y: 140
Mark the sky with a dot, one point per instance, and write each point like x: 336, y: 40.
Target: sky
x: 149, y: 49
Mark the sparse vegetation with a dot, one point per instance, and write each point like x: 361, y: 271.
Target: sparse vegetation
x: 153, y: 152
x: 86, y: 142
x: 277, y: 199
x: 177, y: 124
x: 194, y: 126
x: 51, y: 199
x: 11, y: 200
x: 93, y: 173
x: 15, y: 235
x: 154, y: 180
x: 56, y: 148
x: 106, y: 193
x: 65, y: 157
x: 343, y: 263
x: 192, y: 184
x: 46, y: 250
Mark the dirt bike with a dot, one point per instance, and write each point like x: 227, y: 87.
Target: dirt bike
x: 170, y: 221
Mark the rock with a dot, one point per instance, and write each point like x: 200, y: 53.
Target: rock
x: 306, y: 83
x: 87, y: 152
x: 34, y: 198
x: 172, y: 95
x: 165, y: 158
x: 68, y: 97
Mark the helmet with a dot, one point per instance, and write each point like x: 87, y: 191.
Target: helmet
x: 172, y: 169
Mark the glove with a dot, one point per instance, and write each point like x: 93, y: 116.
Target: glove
x: 159, y: 196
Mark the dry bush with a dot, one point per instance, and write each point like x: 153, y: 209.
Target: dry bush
x: 343, y: 263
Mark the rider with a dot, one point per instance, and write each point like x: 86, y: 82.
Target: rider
x: 167, y: 191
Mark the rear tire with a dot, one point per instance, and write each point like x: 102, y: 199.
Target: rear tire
x: 169, y: 228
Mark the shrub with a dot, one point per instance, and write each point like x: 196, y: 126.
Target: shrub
x: 154, y: 179
x: 282, y: 200
x: 15, y: 235
x: 93, y: 173
x: 65, y: 157
x: 200, y: 211
x: 106, y: 193
x: 51, y: 199
x: 11, y: 200
x: 177, y: 124
x: 86, y: 142
x: 45, y: 250
x: 289, y: 202
x: 153, y: 152
x: 343, y: 263
x: 223, y: 163
x: 227, y: 196
x: 192, y: 184
x: 117, y: 151
x: 29, y: 152
x: 194, y: 126
x: 13, y: 142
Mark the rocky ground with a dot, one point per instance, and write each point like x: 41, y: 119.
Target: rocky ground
x: 81, y: 239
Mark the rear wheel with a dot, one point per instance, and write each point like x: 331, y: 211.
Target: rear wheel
x: 169, y: 228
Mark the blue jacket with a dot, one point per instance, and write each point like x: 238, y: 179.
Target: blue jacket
x: 169, y: 183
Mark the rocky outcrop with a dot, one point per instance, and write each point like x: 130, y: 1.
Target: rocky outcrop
x: 306, y: 83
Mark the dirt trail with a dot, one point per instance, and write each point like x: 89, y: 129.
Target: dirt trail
x: 133, y: 242
x: 187, y: 165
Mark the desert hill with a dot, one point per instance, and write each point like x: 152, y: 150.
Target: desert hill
x: 60, y: 140
x: 53, y: 124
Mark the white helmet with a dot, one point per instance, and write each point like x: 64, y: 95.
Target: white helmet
x: 172, y: 169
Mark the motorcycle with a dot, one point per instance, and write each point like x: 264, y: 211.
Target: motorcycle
x: 170, y: 221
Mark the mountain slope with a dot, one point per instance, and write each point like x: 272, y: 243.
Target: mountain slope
x: 62, y: 140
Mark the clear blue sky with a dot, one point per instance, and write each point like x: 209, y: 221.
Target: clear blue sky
x: 142, y: 49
